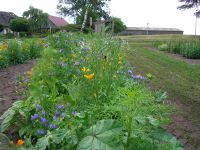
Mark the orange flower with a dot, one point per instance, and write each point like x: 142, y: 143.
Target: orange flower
x: 20, y: 142
x: 89, y: 77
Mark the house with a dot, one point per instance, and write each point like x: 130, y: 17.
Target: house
x: 150, y: 31
x: 56, y: 22
x: 5, y: 18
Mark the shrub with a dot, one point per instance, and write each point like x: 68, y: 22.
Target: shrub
x: 163, y: 47
x: 19, y: 25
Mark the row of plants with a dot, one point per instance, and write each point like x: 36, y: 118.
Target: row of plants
x: 188, y: 49
x: 82, y: 95
x: 18, y: 51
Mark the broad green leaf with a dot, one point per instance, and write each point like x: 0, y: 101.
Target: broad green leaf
x: 102, y: 136
x: 153, y: 121
x: 59, y: 135
x: 4, y: 139
x: 42, y: 143
x: 7, y: 120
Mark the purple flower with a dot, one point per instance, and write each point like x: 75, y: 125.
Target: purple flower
x: 77, y: 63
x: 74, y: 113
x: 62, y: 50
x: 54, y: 117
x: 62, y: 64
x: 43, y: 112
x: 60, y: 107
x: 63, y: 114
x: 130, y: 71
x: 44, y: 120
x: 57, y: 113
x: 138, y: 77
x: 39, y: 107
x: 34, y: 117
x: 41, y: 132
x: 53, y: 126
x: 86, y: 49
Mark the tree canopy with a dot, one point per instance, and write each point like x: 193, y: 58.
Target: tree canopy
x: 77, y: 8
x: 119, y: 25
x: 188, y: 4
x: 37, y: 18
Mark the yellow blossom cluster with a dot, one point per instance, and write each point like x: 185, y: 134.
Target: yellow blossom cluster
x: 3, y: 46
x: 87, y: 76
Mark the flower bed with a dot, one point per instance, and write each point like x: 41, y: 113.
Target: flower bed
x: 83, y: 96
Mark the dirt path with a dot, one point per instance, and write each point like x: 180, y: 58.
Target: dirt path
x: 9, y: 84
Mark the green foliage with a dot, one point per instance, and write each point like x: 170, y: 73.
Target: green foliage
x: 77, y: 7
x: 19, y: 25
x: 103, y: 135
x: 119, y: 26
x: 81, y: 97
x: 36, y: 18
x: 189, y: 49
x: 1, y: 27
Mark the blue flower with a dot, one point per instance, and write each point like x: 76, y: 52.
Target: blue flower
x: 86, y: 49
x: 57, y: 113
x: 60, y: 107
x: 44, y: 120
x: 34, y: 117
x: 74, y: 113
x: 41, y: 132
x: 62, y: 50
x: 39, y: 107
x: 130, y: 71
x: 43, y: 112
x: 138, y: 77
x: 54, y: 117
x: 77, y: 63
x: 63, y: 114
x: 53, y: 126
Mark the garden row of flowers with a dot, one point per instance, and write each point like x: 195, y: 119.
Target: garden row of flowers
x: 82, y: 95
x: 17, y: 51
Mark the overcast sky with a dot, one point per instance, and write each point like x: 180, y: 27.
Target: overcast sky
x: 135, y: 13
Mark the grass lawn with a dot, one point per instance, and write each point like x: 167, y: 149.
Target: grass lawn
x: 180, y: 79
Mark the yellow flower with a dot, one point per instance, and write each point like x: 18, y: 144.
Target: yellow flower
x: 89, y: 77
x: 84, y: 69
x: 119, y: 62
x: 114, y: 76
x: 20, y: 142
x: 120, y: 58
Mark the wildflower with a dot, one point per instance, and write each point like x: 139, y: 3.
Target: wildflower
x: 77, y: 63
x: 20, y: 142
x: 89, y: 77
x: 44, y: 120
x: 54, y: 117
x: 60, y: 107
x: 63, y: 114
x: 62, y: 64
x: 84, y: 69
x: 62, y: 50
x: 74, y: 113
x: 41, y: 132
x: 130, y: 71
x: 39, y: 107
x: 120, y: 58
x: 53, y: 126
x: 138, y: 77
x: 86, y: 49
x: 34, y: 117
x: 119, y: 62
x: 43, y: 112
x: 57, y: 113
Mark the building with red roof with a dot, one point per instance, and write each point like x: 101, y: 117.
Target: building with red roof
x: 56, y: 22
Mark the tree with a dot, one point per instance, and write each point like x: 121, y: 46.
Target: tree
x: 1, y: 27
x: 188, y: 4
x: 119, y: 26
x: 78, y: 9
x: 19, y: 25
x: 36, y: 17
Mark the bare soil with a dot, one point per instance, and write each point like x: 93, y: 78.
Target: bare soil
x: 9, y: 86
